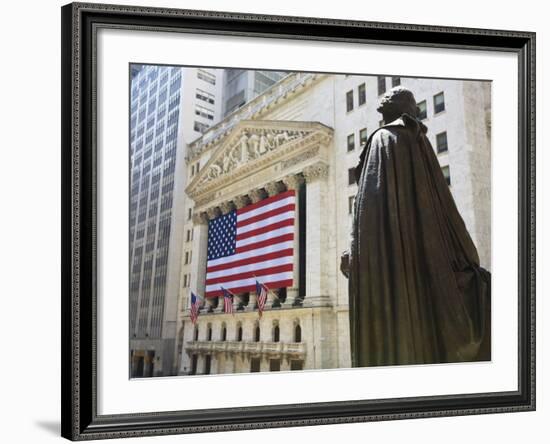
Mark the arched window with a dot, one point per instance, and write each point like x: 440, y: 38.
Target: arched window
x: 224, y: 332
x: 196, y: 333
x: 209, y: 332
x: 297, y: 333
x: 257, y: 332
x: 239, y: 332
x: 276, y: 331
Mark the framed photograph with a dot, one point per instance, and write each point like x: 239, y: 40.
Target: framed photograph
x: 274, y: 221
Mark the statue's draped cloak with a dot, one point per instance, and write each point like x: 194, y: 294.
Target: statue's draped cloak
x: 417, y: 292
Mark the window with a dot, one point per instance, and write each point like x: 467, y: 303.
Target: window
x: 447, y: 173
x: 189, y: 213
x: 422, y: 110
x: 204, y: 96
x: 276, y: 333
x: 196, y: 333
x: 297, y: 333
x: 185, y: 281
x: 351, y: 142
x: 224, y: 333
x: 351, y: 202
x: 361, y: 94
x: 187, y: 257
x: 439, y: 103
x: 349, y: 101
x: 209, y: 332
x: 207, y: 364
x: 441, y: 142
x: 200, y: 127
x: 206, y: 76
x: 274, y: 365
x: 381, y: 85
x: 363, y: 136
x: 257, y: 332
x: 254, y: 365
x: 188, y: 235
x: 239, y: 332
x: 395, y: 81
x: 194, y: 365
x: 296, y: 364
x: 351, y: 176
x: 204, y: 112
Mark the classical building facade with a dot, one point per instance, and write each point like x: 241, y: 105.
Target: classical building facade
x: 305, y: 134
x: 169, y: 107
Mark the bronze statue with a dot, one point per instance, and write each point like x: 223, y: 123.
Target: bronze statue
x: 417, y: 292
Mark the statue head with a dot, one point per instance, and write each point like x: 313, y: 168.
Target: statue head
x: 396, y: 102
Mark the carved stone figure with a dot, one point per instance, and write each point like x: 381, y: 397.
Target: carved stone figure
x: 417, y: 292
x: 244, y: 146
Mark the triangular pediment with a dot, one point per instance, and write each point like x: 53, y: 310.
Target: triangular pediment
x: 252, y: 145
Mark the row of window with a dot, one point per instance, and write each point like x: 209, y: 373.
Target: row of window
x: 275, y: 332
x: 204, y: 112
x: 362, y: 92
x: 440, y: 141
x: 438, y: 99
x: 206, y: 76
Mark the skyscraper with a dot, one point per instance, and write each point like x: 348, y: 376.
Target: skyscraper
x: 241, y: 86
x: 169, y: 107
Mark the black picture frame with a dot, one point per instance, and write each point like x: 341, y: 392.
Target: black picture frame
x: 80, y: 420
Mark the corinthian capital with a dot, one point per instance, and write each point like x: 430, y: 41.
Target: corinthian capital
x: 293, y: 182
x: 273, y: 188
x: 316, y: 171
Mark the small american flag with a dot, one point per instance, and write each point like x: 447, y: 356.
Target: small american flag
x: 261, y: 291
x: 256, y: 241
x: 227, y: 301
x: 194, y: 309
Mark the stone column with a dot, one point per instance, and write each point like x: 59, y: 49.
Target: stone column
x: 316, y: 234
x: 264, y: 363
x: 285, y: 363
x: 252, y: 299
x: 200, y: 363
x: 294, y: 182
x: 198, y: 264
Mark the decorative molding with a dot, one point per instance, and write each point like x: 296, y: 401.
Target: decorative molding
x: 241, y: 201
x: 273, y: 188
x: 300, y: 158
x: 315, y: 172
x: 257, y: 194
x: 227, y: 207
x: 200, y: 218
x: 293, y: 182
x: 213, y: 212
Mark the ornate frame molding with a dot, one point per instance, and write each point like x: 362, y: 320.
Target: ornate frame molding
x: 80, y: 420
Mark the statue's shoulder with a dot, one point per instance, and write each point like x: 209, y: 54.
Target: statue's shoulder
x: 405, y: 123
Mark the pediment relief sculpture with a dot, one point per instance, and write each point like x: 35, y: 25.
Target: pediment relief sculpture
x: 249, y: 144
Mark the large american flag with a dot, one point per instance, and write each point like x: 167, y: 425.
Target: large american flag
x: 252, y: 243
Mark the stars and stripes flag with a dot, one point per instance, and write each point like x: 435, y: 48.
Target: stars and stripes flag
x: 227, y: 301
x: 195, y: 306
x: 261, y: 292
x: 254, y: 242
